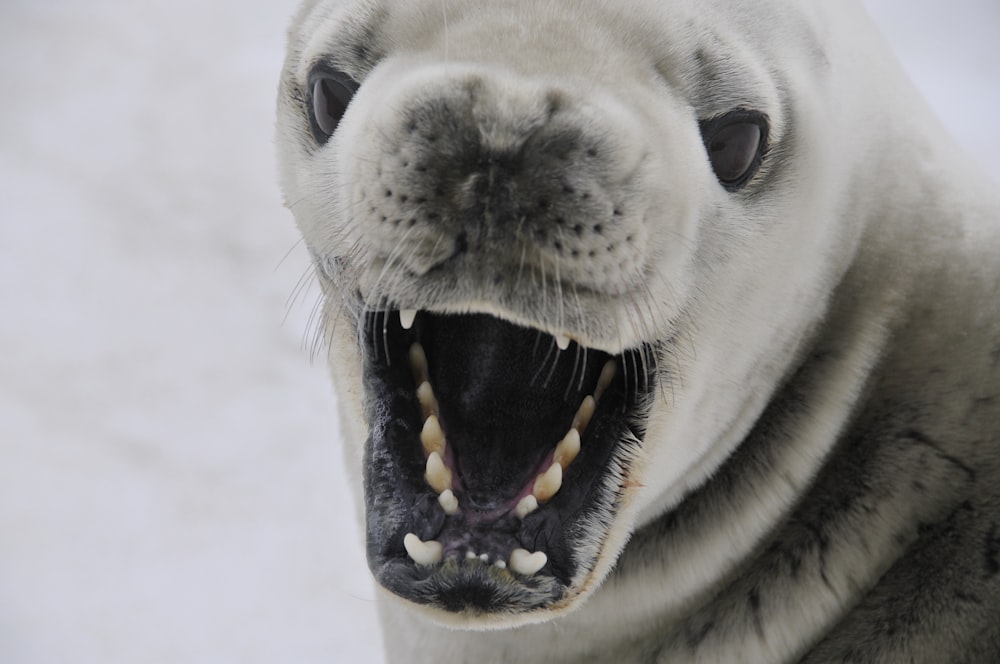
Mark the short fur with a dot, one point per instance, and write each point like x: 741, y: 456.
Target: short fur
x: 819, y: 478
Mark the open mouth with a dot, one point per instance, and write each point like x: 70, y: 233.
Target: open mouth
x: 497, y: 460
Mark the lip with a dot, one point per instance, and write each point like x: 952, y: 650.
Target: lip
x: 489, y: 526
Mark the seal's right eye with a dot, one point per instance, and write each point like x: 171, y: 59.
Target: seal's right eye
x: 330, y: 91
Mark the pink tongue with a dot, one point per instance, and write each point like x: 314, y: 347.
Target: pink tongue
x: 506, y: 395
x: 475, y: 515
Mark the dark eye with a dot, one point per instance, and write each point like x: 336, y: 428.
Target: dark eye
x: 330, y: 91
x: 735, y: 143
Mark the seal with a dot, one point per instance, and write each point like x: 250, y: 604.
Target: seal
x: 663, y: 331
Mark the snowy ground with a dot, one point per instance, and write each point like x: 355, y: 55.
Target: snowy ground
x: 170, y: 481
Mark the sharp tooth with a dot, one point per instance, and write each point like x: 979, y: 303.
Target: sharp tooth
x: 584, y: 414
x: 425, y: 394
x: 607, y: 375
x: 567, y: 449
x: 418, y: 362
x: 406, y: 317
x: 526, y: 506
x: 423, y: 553
x: 437, y: 475
x: 448, y: 501
x: 562, y: 341
x: 547, y: 484
x: 432, y: 437
x: 524, y: 562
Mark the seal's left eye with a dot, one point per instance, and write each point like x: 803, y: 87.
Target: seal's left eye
x: 330, y: 92
x: 735, y: 143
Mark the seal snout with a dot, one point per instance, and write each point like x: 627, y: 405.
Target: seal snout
x: 514, y: 172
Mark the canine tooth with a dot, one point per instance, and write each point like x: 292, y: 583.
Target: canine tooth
x: 562, y: 341
x: 432, y: 437
x: 418, y: 362
x: 568, y: 448
x: 438, y: 475
x: 607, y: 375
x: 524, y: 562
x: 428, y: 403
x: 526, y: 506
x: 548, y: 483
x: 406, y: 317
x: 448, y: 502
x: 584, y: 414
x: 423, y: 553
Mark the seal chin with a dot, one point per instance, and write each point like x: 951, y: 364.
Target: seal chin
x: 497, y: 459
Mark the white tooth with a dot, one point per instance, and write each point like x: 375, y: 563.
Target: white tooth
x: 562, y: 341
x: 485, y: 557
x: 418, y: 362
x: 524, y: 562
x: 470, y: 555
x: 406, y: 317
x: 526, y: 506
x: 437, y: 475
x: 432, y: 437
x: 501, y: 564
x: 423, y: 553
x: 584, y: 414
x: 547, y: 484
x: 567, y: 449
x: 448, y: 502
x: 428, y: 403
x: 607, y: 375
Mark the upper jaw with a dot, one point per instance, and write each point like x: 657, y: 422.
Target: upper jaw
x: 611, y: 321
x: 497, y: 459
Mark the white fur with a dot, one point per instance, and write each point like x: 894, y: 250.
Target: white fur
x: 748, y: 285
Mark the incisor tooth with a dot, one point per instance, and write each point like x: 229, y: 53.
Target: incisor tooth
x: 584, y: 413
x: 406, y: 317
x: 607, y: 375
x: 423, y: 553
x: 448, y: 502
x: 567, y: 449
x: 418, y: 362
x: 428, y: 403
x: 526, y: 506
x: 432, y: 437
x: 562, y: 341
x: 438, y: 475
x: 524, y: 562
x: 547, y: 484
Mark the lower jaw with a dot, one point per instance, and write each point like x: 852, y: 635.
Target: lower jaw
x: 474, y: 595
x: 474, y: 588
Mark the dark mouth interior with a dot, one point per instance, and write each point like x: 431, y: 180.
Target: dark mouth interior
x: 508, y: 403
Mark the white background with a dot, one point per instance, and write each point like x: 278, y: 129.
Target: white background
x: 170, y: 479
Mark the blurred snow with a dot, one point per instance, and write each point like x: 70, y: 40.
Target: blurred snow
x: 952, y: 53
x: 170, y: 480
